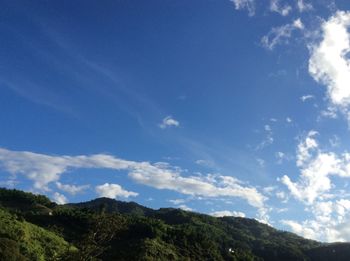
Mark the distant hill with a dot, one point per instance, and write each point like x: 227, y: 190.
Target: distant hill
x: 113, y: 206
x: 34, y: 228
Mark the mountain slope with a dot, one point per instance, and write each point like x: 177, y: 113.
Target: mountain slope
x: 106, y: 229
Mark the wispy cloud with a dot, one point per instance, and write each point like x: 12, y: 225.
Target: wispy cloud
x: 303, y: 6
x: 71, y: 189
x: 268, y: 140
x: 279, y: 35
x: 304, y: 98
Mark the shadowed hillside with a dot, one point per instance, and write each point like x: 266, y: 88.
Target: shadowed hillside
x: 34, y: 228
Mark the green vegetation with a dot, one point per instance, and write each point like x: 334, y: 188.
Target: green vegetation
x: 34, y: 228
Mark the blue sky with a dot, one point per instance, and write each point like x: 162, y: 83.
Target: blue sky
x: 225, y: 107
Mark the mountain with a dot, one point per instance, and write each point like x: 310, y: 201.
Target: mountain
x: 34, y: 228
x: 113, y: 206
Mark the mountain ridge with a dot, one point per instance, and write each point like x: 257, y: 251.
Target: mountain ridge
x: 108, y: 229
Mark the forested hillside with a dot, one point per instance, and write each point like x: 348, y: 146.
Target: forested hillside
x: 34, y: 228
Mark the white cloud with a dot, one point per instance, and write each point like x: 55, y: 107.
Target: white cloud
x: 227, y: 213
x: 328, y: 63
x: 44, y: 169
x: 217, y: 186
x: 184, y: 207
x: 169, y: 122
x: 268, y: 190
x: 282, y: 10
x: 303, y: 7
x: 177, y: 201
x: 306, y: 97
x: 245, y: 4
x: 300, y: 229
x: 113, y: 191
x: 330, y: 222
x: 289, y: 120
x: 305, y: 147
x: 329, y: 208
x: 71, y: 189
x: 316, y: 167
x: 59, y: 198
x: 279, y: 35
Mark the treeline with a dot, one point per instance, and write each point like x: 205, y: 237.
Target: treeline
x: 105, y: 229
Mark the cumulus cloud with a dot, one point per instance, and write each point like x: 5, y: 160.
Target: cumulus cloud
x: 227, y: 213
x: 279, y: 35
x: 44, y: 169
x: 71, y: 189
x: 328, y: 63
x: 169, y: 122
x: 113, y: 191
x: 59, y: 198
x: 245, y: 4
x: 275, y: 6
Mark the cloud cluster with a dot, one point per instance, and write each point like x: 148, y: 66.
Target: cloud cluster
x: 328, y: 63
x: 44, y: 169
x: 330, y: 222
x: 314, y: 188
x: 316, y: 167
x: 281, y: 34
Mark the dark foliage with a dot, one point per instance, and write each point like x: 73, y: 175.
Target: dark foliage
x: 106, y: 229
